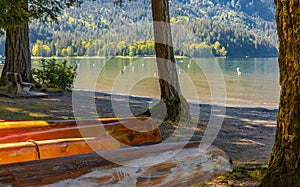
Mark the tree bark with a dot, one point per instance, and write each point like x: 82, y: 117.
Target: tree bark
x: 17, y: 53
x: 284, y: 163
x: 171, y: 95
x: 17, y: 49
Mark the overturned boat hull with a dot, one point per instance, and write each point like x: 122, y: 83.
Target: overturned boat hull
x: 165, y: 164
x: 34, y: 140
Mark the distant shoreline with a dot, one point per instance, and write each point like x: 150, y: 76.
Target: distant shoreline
x: 152, y: 56
x: 102, y: 57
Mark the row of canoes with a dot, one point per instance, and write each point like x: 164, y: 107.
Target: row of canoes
x: 102, y: 152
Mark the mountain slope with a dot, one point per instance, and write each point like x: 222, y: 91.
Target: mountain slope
x: 235, y: 28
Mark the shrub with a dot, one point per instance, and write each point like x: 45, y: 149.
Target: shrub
x: 54, y: 74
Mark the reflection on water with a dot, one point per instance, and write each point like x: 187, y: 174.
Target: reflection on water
x: 255, y: 85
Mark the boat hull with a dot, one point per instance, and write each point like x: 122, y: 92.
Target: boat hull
x: 34, y: 140
x: 165, y: 164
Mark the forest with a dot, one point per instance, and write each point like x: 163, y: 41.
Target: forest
x: 244, y: 133
x: 229, y: 28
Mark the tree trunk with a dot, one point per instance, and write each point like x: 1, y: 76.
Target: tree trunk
x: 171, y: 95
x: 17, y: 53
x: 284, y: 164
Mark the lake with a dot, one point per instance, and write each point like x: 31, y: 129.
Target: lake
x: 207, y: 80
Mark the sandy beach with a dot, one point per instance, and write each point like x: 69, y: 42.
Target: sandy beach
x: 245, y: 133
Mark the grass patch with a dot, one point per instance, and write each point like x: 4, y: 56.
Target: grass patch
x: 34, y: 109
x: 243, y: 174
x: 255, y: 172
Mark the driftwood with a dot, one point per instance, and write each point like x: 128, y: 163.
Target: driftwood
x: 165, y: 164
x: 33, y: 140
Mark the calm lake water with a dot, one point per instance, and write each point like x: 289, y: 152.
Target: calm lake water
x: 205, y: 80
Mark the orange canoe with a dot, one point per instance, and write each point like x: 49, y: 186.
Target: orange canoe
x: 32, y: 140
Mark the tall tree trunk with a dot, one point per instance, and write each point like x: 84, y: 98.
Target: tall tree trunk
x: 17, y: 50
x: 171, y: 95
x: 284, y: 163
x: 17, y: 53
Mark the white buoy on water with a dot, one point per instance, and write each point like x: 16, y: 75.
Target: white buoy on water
x: 238, y: 71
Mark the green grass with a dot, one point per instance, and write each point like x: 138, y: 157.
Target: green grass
x: 247, y: 172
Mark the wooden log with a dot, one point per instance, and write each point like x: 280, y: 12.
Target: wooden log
x: 36, y: 150
x: 181, y: 164
x: 128, y: 131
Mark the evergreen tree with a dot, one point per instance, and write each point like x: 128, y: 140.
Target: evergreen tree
x: 14, y: 20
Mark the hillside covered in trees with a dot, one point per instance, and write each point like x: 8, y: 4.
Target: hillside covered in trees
x: 233, y: 28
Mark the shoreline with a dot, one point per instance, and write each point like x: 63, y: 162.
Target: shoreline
x: 103, y: 57
x: 129, y: 57
x: 190, y: 101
